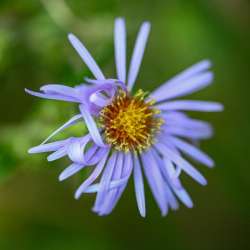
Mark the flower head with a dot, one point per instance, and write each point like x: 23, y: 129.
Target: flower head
x: 132, y: 133
x: 130, y: 123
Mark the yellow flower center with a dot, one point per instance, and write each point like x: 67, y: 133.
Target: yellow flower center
x: 130, y: 123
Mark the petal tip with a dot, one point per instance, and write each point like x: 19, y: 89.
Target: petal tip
x: 220, y: 107
x: 203, y: 182
x: 77, y: 195
x: 71, y: 37
x: 190, y: 205
x: 50, y: 158
x: 61, y: 177
x: 143, y: 215
x: 31, y: 151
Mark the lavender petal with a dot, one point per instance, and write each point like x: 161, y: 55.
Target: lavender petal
x: 139, y: 187
x: 59, y: 89
x: 173, y: 203
x: 192, y: 151
x: 127, y: 170
x: 105, y: 182
x: 69, y: 123
x: 94, y: 175
x: 120, y: 48
x: 93, y: 130
x: 191, y: 105
x: 86, y: 57
x: 187, y: 87
x: 112, y: 194
x: 195, y: 69
x: 155, y: 180
x: 53, y: 146
x: 57, y: 154
x: 183, y: 164
x: 138, y: 52
x: 70, y: 170
x: 51, y: 96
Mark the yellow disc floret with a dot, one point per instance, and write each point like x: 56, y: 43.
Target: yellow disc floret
x: 130, y: 123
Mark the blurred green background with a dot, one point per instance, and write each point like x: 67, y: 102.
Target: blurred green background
x: 38, y: 212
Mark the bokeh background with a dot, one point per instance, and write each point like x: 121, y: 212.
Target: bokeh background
x: 39, y: 213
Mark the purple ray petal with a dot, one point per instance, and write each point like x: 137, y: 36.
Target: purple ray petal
x: 191, y: 105
x: 57, y: 154
x: 69, y: 123
x: 179, y: 161
x: 177, y: 189
x: 105, y: 181
x: 127, y: 170
x: 51, y: 96
x: 195, y: 69
x: 94, y: 175
x: 93, y: 130
x: 188, y: 133
x: 184, y: 126
x: 120, y: 48
x: 173, y: 115
x: 188, y: 73
x: 112, y: 194
x: 76, y: 147
x: 173, y: 203
x: 99, y: 100
x: 183, y: 121
x: 70, y: 170
x: 86, y: 57
x: 96, y: 155
x: 112, y: 185
x: 192, y: 151
x: 139, y: 187
x: 53, y: 146
x: 172, y: 172
x: 168, y: 170
x: 187, y: 87
x: 59, y: 89
x: 155, y: 180
x: 138, y: 52
x: 182, y: 194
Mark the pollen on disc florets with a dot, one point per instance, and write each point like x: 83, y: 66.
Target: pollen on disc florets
x: 129, y: 122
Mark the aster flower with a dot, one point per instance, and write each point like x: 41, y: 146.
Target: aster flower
x: 132, y: 134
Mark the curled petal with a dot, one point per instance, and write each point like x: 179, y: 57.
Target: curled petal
x: 76, y: 148
x: 94, y: 175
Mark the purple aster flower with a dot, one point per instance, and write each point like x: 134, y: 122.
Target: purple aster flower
x: 131, y: 134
